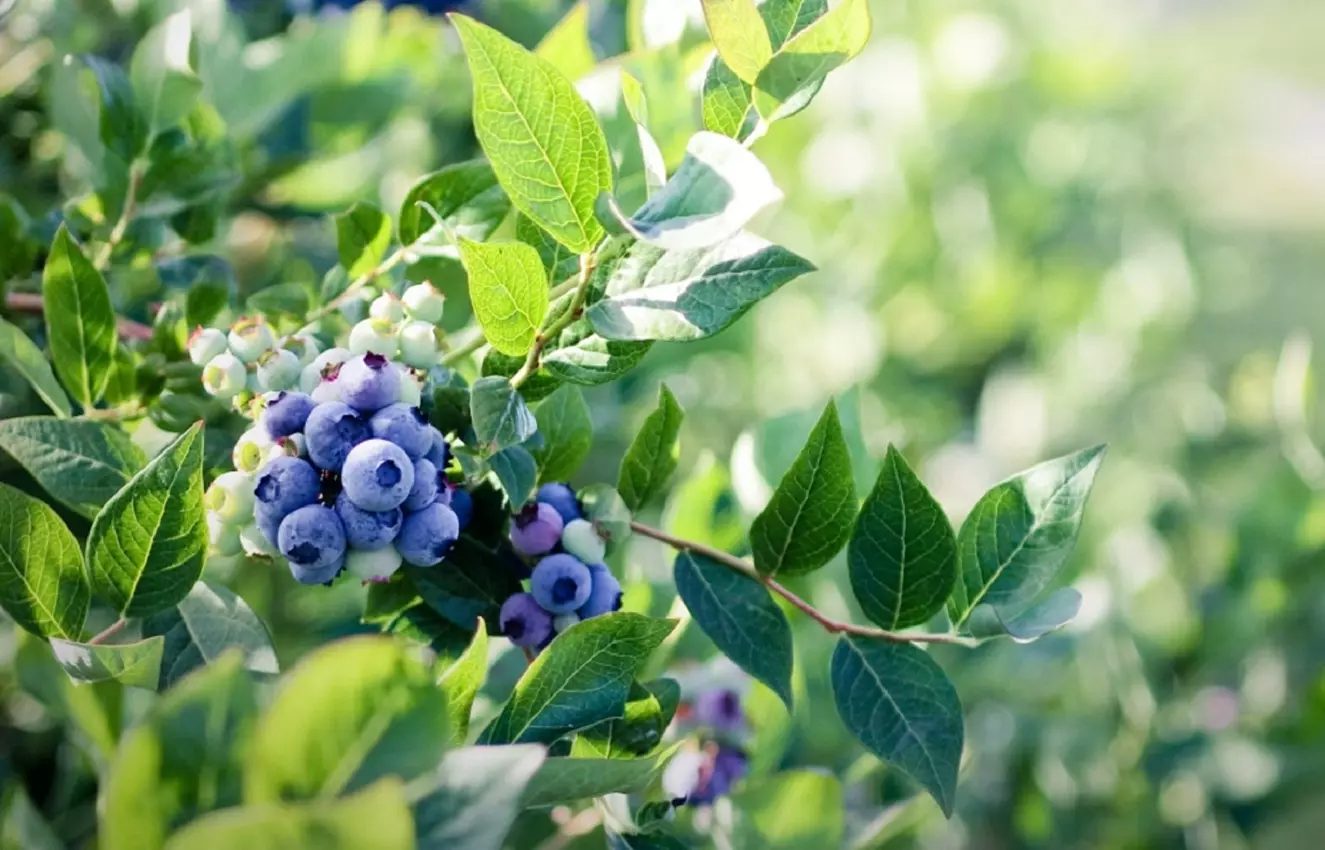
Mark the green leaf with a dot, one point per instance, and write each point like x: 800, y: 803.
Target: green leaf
x: 79, y: 462
x: 740, y: 617
x: 902, y: 556
x: 580, y: 356
x: 475, y: 798
x: 291, y: 298
x: 472, y: 582
x: 566, y: 780
x: 686, y: 295
x: 184, y: 760
x: 363, y: 233
x: 789, y: 811
x: 464, y: 196
x: 1018, y: 535
x: 542, y: 139
x: 563, y: 420
x: 739, y: 34
x: 517, y: 473
x: 725, y: 101
x: 566, y: 46
x: 608, y: 512
x: 349, y: 714
x: 461, y: 682
x: 809, y: 517
x: 897, y: 701
x: 508, y: 288
x: 450, y: 409
x: 42, y: 586
x: 376, y: 817
x: 207, y: 281
x: 423, y: 625
x: 499, y: 414
x: 651, y: 458
x: 147, y: 546
x: 23, y: 356
x: 639, y: 730
x: 559, y: 262
x: 655, y: 839
x: 717, y: 189
x: 1039, y: 619
x: 18, y: 251
x: 135, y: 665
x: 120, y: 125
x: 22, y: 826
x: 207, y: 623
x: 80, y: 323
x: 164, y: 85
x: 805, y: 60
x: 582, y: 678
x: 785, y: 18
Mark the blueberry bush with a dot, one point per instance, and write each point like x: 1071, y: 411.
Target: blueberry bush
x: 214, y: 429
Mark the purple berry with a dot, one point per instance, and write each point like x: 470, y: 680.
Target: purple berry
x: 287, y: 413
x: 403, y: 425
x: 368, y: 382
x: 562, y: 498
x: 316, y: 575
x: 524, y: 622
x: 560, y: 583
x: 377, y: 476
x: 536, y: 529
x: 729, y: 767
x: 426, y: 535
x: 269, y: 523
x: 604, y: 593
x: 332, y: 430
x: 438, y: 452
x: 312, y: 538
x: 424, y: 491
x: 368, y: 529
x: 284, y: 484
x: 463, y: 505
x: 719, y: 709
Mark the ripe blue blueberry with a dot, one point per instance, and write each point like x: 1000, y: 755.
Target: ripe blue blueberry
x: 562, y: 498
x: 426, y: 535
x: 536, y: 529
x: 287, y: 413
x: 424, y: 491
x: 372, y: 565
x: 581, y: 539
x: 524, y: 621
x: 369, y: 382
x: 268, y: 523
x: 604, y: 594
x: 438, y: 451
x: 561, y: 584
x: 312, y: 537
x: 285, y: 484
x: 719, y: 709
x: 403, y: 425
x: 316, y: 575
x: 332, y: 430
x: 378, y: 475
x: 463, y: 505
x: 368, y: 530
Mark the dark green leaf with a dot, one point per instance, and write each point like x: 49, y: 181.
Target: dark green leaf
x: 164, y: 85
x: 789, y: 811
x: 121, y: 126
x: 132, y: 664
x: 423, y: 625
x: 582, y: 678
x: 18, y: 251
x: 808, y: 519
x: 23, y: 356
x: 208, y: 622
x: 896, y: 700
x: 651, y: 458
x: 639, y: 730
x: 42, y: 586
x: 657, y: 839
x: 461, y: 682
x: 739, y: 35
x: 471, y: 582
x: 499, y: 414
x: 79, y: 462
x: 450, y: 409
x: 465, y: 197
x: 903, y: 555
x: 803, y: 62
x: 580, y: 356
x: 363, y: 233
x: 508, y: 289
x: 725, y: 101
x: 476, y: 797
x: 1039, y: 619
x: 740, y: 617
x: 517, y: 472
x: 22, y: 826
x: 566, y: 780
x: 80, y: 323
x: 147, y: 546
x: 563, y: 420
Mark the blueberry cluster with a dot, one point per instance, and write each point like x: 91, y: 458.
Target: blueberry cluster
x: 247, y: 360
x: 569, y: 580
x: 404, y: 327
x: 347, y: 476
x: 701, y: 773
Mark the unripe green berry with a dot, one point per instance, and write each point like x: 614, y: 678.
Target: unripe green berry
x: 302, y: 345
x: 278, y: 369
x: 206, y: 343
x: 230, y: 497
x: 564, y: 621
x: 254, y: 542
x: 386, y: 307
x: 250, y: 451
x: 249, y: 337
x: 317, y: 370
x: 373, y: 564
x: 224, y: 376
x: 222, y: 537
x: 420, y: 344
x: 580, y: 538
x: 423, y: 301
x: 374, y: 335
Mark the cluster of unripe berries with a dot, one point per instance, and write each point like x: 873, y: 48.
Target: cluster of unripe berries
x: 351, y: 476
x: 569, y: 580
x: 708, y: 769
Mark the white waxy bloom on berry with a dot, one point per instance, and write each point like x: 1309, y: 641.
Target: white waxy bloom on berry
x: 387, y: 307
x: 206, y: 343
x: 423, y: 301
x: 230, y: 497
x: 224, y: 376
x: 250, y: 337
x: 278, y: 369
x: 222, y: 537
x: 420, y: 344
x: 374, y: 335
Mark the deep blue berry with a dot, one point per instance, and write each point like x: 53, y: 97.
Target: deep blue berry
x: 286, y: 413
x: 377, y: 475
x: 284, y: 484
x: 403, y: 425
x: 604, y: 593
x: 438, y: 452
x: 463, y: 505
x: 535, y: 529
x: 560, y: 583
x: 424, y: 491
x: 426, y: 535
x: 316, y: 575
x: 312, y: 537
x: 332, y: 430
x: 368, y: 529
x: 524, y: 621
x: 562, y: 498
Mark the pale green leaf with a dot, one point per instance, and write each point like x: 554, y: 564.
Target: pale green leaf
x: 789, y: 811
x: 739, y: 34
x: 785, y: 18
x: 80, y: 323
x: 725, y: 100
x: 210, y: 621
x: 132, y: 664
x: 567, y: 780
x: 460, y: 200
x: 462, y: 680
x: 474, y: 797
x: 42, y: 586
x: 80, y: 462
x: 802, y: 63
x: 567, y: 46
x: 1037, y: 620
x: 509, y: 290
x: 363, y: 233
x: 165, y: 86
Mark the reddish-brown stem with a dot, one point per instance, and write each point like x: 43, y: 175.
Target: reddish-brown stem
x: 109, y: 632
x: 31, y: 302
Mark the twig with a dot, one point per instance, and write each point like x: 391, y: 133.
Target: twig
x: 563, y: 321
x: 116, y: 414
x: 31, y: 302
x: 455, y: 355
x: 352, y: 291
x: 830, y: 625
x: 109, y: 631
x: 136, y: 171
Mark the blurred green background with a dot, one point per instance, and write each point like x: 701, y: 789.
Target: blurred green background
x: 1038, y: 226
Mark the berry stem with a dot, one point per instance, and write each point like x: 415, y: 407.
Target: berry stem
x: 352, y: 291
x: 136, y: 171
x: 109, y: 632
x: 563, y: 321
x: 830, y: 625
x: 455, y: 355
x: 31, y: 302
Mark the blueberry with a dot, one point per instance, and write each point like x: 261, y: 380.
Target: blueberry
x: 386, y: 307
x: 368, y: 530
x: 463, y: 505
x: 230, y: 497
x: 287, y: 413
x: 536, y: 529
x: 426, y: 535
x: 327, y: 390
x: 403, y: 425
x: 255, y: 542
x: 332, y: 430
x: 268, y: 523
x: 378, y: 475
x: 374, y: 335
x: 285, y: 484
x: 411, y: 392
x: 420, y: 343
x: 729, y: 767
x: 424, y: 491
x: 312, y: 537
x: 205, y: 344
x: 438, y: 451
x: 581, y: 539
x: 224, y: 376
x: 425, y: 302
x: 250, y: 337
x: 719, y: 709
x: 316, y: 575
x: 604, y: 593
x: 561, y: 583
x: 683, y: 774
x: 524, y: 622
x: 303, y: 346
x: 374, y: 565
x: 323, y: 363
x: 561, y: 622
x: 278, y: 369
x: 222, y: 537
x: 562, y: 498
x: 369, y: 382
